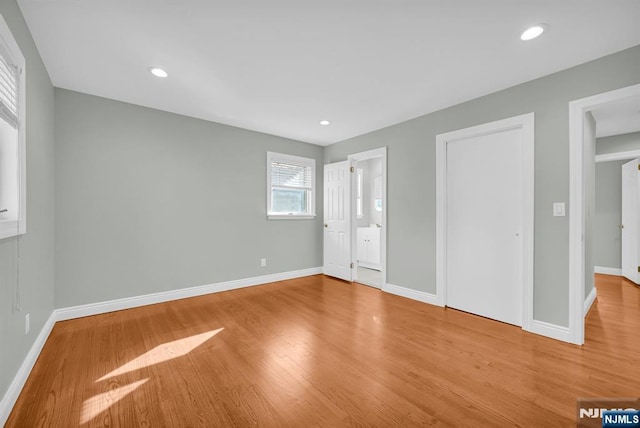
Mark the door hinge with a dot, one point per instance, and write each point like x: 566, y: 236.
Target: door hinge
x: 638, y: 268
x: 353, y: 266
x: 638, y: 166
x: 352, y: 169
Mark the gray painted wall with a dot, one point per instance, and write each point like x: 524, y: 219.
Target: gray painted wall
x: 29, y: 257
x: 149, y: 201
x: 618, y: 143
x: 411, y: 173
x: 608, y: 214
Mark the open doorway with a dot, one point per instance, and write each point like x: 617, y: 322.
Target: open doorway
x: 587, y: 115
x: 616, y: 208
x: 369, y: 217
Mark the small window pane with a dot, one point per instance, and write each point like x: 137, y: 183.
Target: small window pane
x: 289, y: 201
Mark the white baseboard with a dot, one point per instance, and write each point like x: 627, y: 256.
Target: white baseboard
x: 538, y: 327
x: 589, y: 300
x: 182, y: 293
x: 607, y: 270
x: 11, y: 396
x: 553, y: 331
x: 374, y: 266
x: 420, y: 296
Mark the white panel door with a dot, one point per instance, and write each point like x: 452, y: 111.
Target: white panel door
x: 630, y: 221
x: 484, y: 222
x: 337, y: 220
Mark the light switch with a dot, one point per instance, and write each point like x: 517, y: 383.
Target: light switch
x: 558, y: 209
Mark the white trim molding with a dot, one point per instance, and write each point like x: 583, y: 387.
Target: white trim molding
x: 420, y: 296
x: 16, y: 223
x: 380, y: 153
x: 607, y: 270
x: 181, y: 293
x: 577, y: 163
x: 589, y: 300
x: 632, y: 154
x: 542, y: 328
x: 553, y: 331
x: 526, y: 123
x: 15, y: 388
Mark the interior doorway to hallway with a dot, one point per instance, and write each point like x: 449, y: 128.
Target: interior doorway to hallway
x: 369, y: 232
x: 582, y: 167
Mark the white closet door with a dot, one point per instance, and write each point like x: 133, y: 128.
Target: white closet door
x: 484, y: 220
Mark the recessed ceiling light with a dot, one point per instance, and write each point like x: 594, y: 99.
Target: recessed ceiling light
x: 533, y: 32
x: 158, y: 72
x: 325, y: 122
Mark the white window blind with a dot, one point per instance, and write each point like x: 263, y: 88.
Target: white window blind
x: 9, y: 92
x: 291, y: 185
x: 290, y: 175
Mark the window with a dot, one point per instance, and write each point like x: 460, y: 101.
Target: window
x: 359, y: 191
x: 12, y: 137
x: 290, y: 186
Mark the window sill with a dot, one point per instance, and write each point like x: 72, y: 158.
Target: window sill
x: 291, y: 217
x: 10, y: 228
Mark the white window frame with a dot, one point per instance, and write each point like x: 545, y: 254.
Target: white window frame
x: 9, y: 47
x: 311, y: 209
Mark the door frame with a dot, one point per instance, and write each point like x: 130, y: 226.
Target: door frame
x: 526, y: 123
x: 362, y: 156
x: 577, y: 166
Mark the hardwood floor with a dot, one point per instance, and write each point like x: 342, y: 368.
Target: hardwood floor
x: 321, y: 352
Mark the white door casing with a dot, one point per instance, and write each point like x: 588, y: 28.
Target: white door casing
x: 630, y: 220
x: 381, y: 153
x: 578, y: 165
x: 337, y: 220
x: 484, y: 219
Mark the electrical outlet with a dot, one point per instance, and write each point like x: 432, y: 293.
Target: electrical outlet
x: 263, y: 262
x: 27, y: 323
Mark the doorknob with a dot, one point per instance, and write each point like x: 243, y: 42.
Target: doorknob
x: 621, y: 226
x: 326, y: 225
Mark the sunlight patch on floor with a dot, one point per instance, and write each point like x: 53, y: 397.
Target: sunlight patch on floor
x: 165, y: 352
x: 101, y: 402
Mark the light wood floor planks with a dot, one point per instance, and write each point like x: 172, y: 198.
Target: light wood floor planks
x: 321, y: 352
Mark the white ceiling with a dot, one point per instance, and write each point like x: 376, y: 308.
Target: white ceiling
x: 280, y: 66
